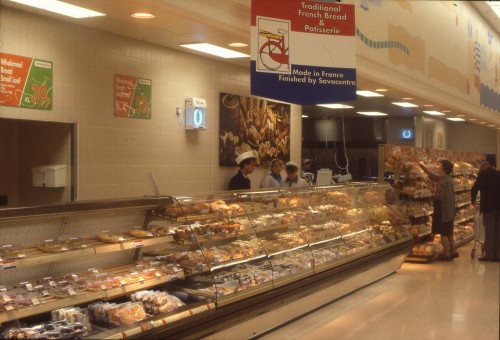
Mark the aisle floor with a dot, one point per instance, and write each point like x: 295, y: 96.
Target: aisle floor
x: 442, y: 300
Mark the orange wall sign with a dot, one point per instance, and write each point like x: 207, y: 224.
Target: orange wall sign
x: 25, y: 82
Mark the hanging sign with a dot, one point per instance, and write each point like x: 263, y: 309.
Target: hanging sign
x: 132, y: 97
x: 303, y: 51
x: 25, y: 82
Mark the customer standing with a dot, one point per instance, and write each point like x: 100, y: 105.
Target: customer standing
x: 488, y: 184
x: 444, y: 207
x: 240, y: 181
x: 273, y: 178
x: 292, y: 179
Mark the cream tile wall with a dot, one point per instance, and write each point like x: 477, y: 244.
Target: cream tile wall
x: 114, y: 154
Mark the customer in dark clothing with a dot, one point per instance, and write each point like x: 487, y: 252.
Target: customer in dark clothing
x: 240, y: 181
x: 444, y: 207
x: 488, y: 184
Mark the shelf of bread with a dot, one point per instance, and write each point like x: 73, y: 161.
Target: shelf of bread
x: 56, y: 252
x: 28, y: 299
x: 464, y: 219
x: 463, y: 204
x: 422, y: 214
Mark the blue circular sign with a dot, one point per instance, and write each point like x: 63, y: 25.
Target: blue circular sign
x: 197, y: 117
x: 406, y: 133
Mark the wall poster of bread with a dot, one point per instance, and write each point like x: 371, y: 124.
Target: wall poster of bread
x: 253, y: 124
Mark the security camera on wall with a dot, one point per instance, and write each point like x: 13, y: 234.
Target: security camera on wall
x: 196, y: 114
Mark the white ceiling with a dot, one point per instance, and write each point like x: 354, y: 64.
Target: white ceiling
x: 219, y: 22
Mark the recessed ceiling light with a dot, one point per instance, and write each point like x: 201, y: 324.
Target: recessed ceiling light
x: 428, y: 105
x: 408, y: 98
x: 454, y: 119
x: 238, y: 44
x: 61, y: 7
x: 459, y: 115
x: 305, y: 116
x: 473, y: 119
x: 215, y: 50
x: 483, y: 123
x: 372, y: 113
x: 405, y: 104
x: 368, y: 94
x: 336, y: 106
x: 446, y: 111
x: 434, y: 113
x: 143, y: 15
x: 381, y: 90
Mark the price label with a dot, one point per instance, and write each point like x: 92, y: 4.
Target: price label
x: 176, y: 269
x: 64, y: 249
x: 121, y: 239
x: 35, y: 301
x: 74, y: 277
x: 158, y: 274
x: 71, y: 292
x: 141, y: 279
x: 29, y: 287
x: 45, y: 292
x: 123, y: 282
x: 138, y: 243
x: 8, y: 264
x: 52, y: 284
x: 6, y: 298
x: 9, y: 307
x: 103, y: 287
x: 3, y: 289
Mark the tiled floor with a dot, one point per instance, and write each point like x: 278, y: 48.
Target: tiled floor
x: 443, y: 300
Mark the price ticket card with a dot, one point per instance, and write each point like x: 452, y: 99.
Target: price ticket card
x: 138, y: 243
x: 8, y: 307
x: 35, y: 301
x: 71, y: 292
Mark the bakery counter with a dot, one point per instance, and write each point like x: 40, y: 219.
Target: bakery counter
x: 333, y: 277
x: 231, y: 249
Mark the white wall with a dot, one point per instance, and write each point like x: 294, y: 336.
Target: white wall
x: 114, y: 154
x: 471, y: 138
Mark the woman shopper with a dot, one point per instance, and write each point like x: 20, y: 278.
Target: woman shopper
x: 273, y: 178
x: 444, y: 207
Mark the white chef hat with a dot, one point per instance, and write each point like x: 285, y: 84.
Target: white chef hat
x: 291, y: 164
x: 243, y: 156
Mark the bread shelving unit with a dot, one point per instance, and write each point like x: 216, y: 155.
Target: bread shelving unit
x: 415, y: 192
x: 221, y: 249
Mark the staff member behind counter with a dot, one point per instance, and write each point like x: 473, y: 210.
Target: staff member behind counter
x: 292, y: 179
x: 240, y: 181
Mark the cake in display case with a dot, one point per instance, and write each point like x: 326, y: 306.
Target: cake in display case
x: 119, y: 268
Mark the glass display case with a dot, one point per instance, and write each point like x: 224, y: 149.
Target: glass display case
x: 190, y: 253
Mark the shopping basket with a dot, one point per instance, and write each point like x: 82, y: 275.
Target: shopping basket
x: 478, y: 233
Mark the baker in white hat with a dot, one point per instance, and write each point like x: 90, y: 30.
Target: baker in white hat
x: 292, y: 179
x: 307, y: 166
x: 246, y: 162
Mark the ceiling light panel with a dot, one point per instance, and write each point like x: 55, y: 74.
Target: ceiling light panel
x: 305, y: 116
x: 238, y: 44
x: 336, y: 106
x: 405, y: 104
x: 455, y: 119
x: 60, y: 7
x: 371, y: 113
x: 143, y: 16
x: 434, y: 113
x: 215, y: 50
x: 368, y: 94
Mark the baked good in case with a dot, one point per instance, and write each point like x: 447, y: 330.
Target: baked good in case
x: 110, y: 238
x: 140, y: 233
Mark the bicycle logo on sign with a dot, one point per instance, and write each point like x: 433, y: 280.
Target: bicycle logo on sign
x: 274, y: 53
